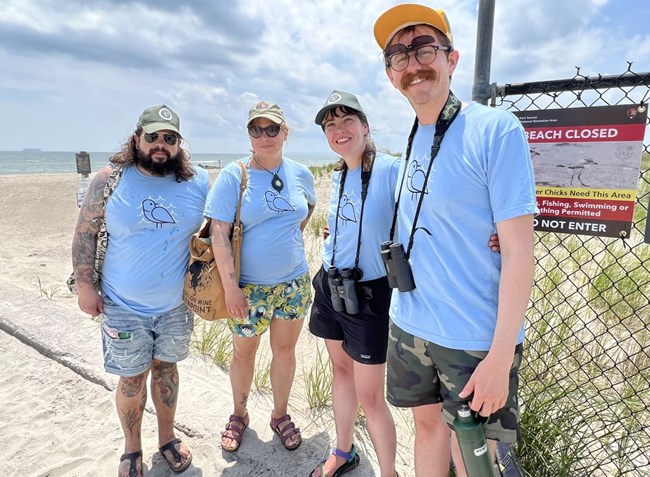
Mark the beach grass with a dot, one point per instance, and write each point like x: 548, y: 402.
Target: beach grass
x: 47, y: 292
x: 213, y: 339
x: 323, y: 171
x: 318, y: 381
x: 262, y: 376
x: 317, y: 223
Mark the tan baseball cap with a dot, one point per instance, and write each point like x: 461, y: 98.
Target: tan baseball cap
x: 266, y: 110
x: 409, y: 14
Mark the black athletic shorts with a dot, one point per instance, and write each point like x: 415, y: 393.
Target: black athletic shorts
x: 364, y: 335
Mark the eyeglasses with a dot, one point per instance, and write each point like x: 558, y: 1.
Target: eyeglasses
x: 397, y: 56
x: 271, y: 131
x: 170, y: 139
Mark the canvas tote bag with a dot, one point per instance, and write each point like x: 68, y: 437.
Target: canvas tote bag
x: 203, y: 290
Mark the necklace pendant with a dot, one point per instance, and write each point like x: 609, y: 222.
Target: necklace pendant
x: 277, y: 182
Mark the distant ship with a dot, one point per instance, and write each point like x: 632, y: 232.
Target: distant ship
x: 32, y: 149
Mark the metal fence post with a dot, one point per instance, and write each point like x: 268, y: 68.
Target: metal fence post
x: 481, y: 89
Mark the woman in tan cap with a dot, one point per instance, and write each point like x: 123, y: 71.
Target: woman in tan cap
x: 273, y: 291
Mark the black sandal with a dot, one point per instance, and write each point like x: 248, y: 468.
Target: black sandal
x: 132, y: 457
x: 351, y: 462
x: 177, y: 456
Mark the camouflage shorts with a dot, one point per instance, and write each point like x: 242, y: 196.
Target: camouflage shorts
x: 420, y: 372
x: 285, y: 301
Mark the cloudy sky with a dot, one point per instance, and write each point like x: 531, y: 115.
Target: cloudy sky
x: 75, y: 74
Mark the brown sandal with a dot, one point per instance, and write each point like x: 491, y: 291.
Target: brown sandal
x: 287, y: 432
x: 236, y: 430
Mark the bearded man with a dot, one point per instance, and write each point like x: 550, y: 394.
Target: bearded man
x: 155, y: 204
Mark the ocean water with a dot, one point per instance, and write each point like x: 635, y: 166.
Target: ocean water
x: 45, y: 162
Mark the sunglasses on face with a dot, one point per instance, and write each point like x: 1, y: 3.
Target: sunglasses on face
x: 170, y: 139
x: 271, y: 131
x: 397, y: 56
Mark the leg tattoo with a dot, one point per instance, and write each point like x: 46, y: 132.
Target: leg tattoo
x: 130, y: 412
x: 165, y: 379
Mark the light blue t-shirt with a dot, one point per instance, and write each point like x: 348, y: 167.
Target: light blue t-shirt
x: 272, y: 246
x: 377, y: 218
x: 150, y: 221
x: 482, y: 175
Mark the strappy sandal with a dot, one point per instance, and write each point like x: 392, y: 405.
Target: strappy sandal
x: 237, y: 431
x: 176, y: 456
x: 287, y: 432
x: 351, y: 462
x: 132, y: 457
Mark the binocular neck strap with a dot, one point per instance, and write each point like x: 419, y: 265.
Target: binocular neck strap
x: 449, y: 112
x: 365, y: 180
x: 401, y: 186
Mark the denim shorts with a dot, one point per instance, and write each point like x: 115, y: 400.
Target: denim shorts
x: 285, y: 301
x: 131, y: 342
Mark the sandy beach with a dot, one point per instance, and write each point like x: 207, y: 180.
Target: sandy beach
x: 58, y: 416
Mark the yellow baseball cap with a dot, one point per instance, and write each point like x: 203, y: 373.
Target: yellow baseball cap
x: 409, y: 14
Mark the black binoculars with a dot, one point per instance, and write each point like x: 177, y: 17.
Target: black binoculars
x: 343, y: 290
x: 398, y: 269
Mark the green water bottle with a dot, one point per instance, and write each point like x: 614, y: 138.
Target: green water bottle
x: 473, y: 447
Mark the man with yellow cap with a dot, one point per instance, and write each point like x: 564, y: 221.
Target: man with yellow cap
x: 457, y: 327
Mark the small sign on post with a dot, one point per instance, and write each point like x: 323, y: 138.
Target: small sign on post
x: 83, y: 163
x: 83, y: 168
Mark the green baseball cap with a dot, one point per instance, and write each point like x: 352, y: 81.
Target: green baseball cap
x: 338, y: 98
x: 159, y: 118
x: 266, y: 110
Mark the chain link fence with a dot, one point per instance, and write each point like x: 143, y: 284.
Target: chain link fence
x: 585, y: 383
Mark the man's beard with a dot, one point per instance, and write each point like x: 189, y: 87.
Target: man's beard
x: 156, y: 168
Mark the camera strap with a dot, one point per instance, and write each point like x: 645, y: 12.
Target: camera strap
x: 449, y: 112
x: 365, y: 180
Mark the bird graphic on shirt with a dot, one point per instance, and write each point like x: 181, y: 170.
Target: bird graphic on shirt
x: 277, y: 203
x: 156, y: 214
x: 346, y: 210
x: 415, y: 183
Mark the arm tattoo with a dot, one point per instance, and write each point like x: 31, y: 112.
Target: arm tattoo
x: 220, y: 236
x: 220, y: 233
x: 84, y: 243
